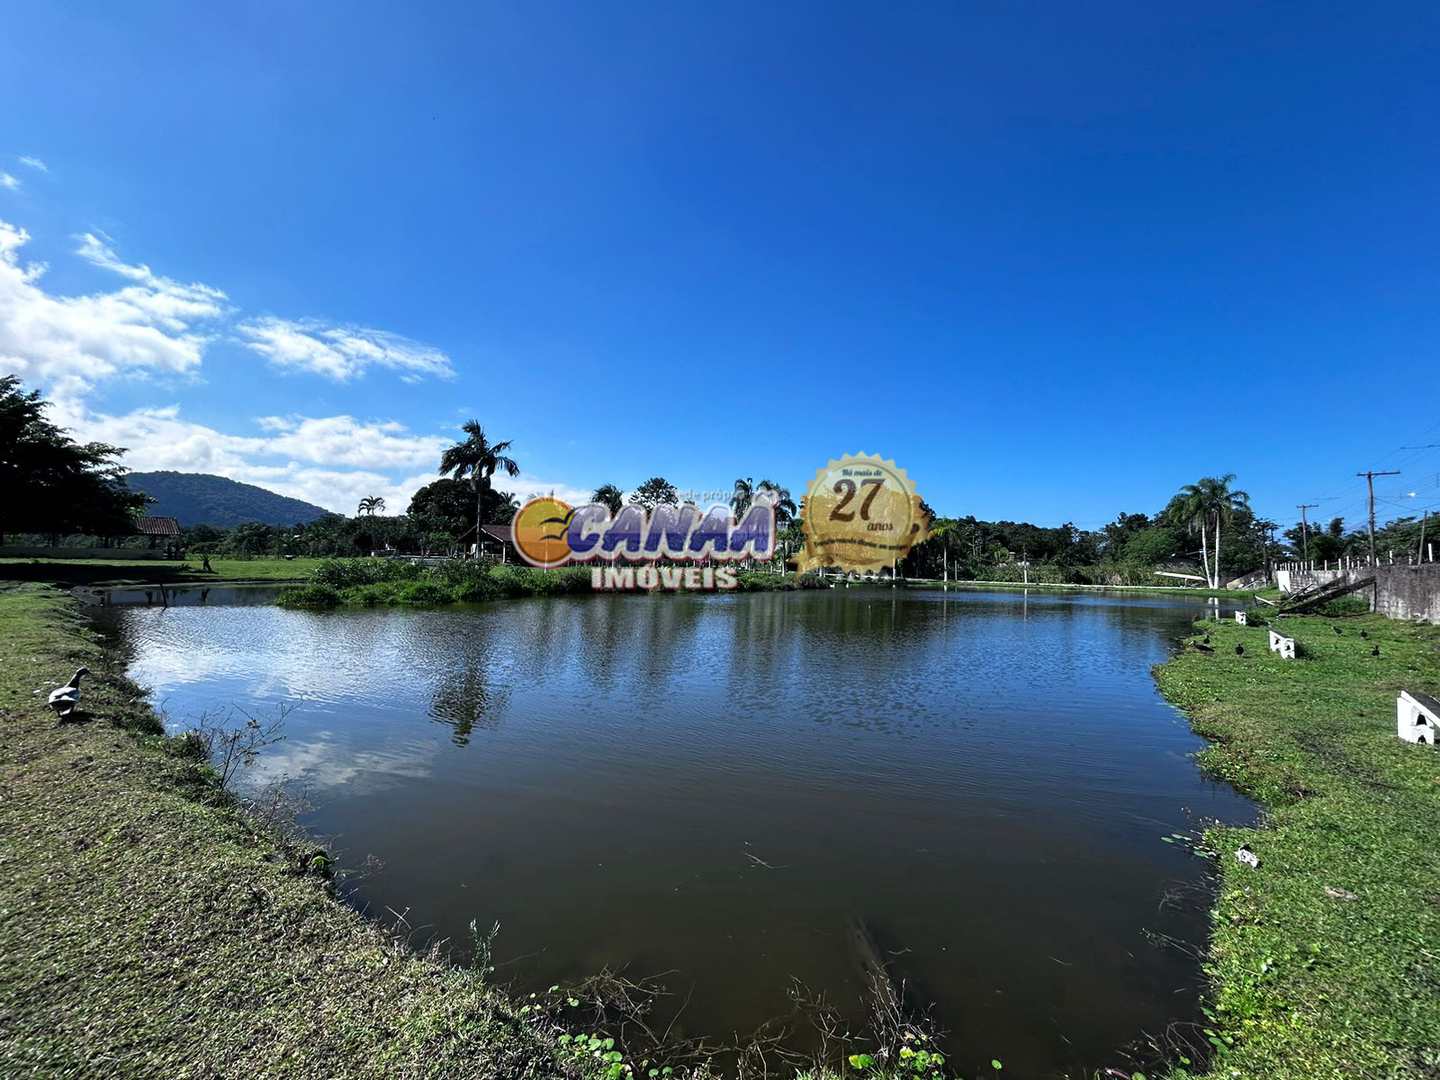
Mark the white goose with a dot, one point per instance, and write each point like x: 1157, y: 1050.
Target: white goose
x: 64, y: 700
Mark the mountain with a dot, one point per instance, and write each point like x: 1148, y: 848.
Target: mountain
x: 202, y: 499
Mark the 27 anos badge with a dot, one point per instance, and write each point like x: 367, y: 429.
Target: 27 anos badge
x: 862, y: 513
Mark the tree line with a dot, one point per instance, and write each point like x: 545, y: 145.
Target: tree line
x: 51, y: 485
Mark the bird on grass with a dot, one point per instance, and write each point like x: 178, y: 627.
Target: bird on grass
x: 1363, y: 634
x: 64, y: 700
x: 1337, y: 630
x: 1375, y: 651
x: 1239, y: 650
x: 1207, y: 639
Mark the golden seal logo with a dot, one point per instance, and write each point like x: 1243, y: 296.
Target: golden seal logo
x: 861, y: 513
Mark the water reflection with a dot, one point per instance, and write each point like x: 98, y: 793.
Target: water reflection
x: 466, y: 700
x: 723, y: 786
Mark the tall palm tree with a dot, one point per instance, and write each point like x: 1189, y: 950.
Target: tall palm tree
x: 1208, y: 504
x: 744, y: 494
x: 370, y: 505
x: 477, y: 459
x: 785, y: 509
x: 610, y: 497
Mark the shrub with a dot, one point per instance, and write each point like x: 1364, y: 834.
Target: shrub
x: 424, y: 592
x: 347, y: 573
x: 309, y: 597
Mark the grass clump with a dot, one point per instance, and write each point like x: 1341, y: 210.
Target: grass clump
x: 1323, y: 959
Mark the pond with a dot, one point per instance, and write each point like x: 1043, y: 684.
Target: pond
x: 722, y: 788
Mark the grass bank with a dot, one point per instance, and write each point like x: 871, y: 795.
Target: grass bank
x: 149, y: 928
x: 1326, y: 958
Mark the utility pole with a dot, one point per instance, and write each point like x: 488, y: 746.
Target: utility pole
x: 1370, y: 475
x: 1420, y: 553
x: 1305, y: 530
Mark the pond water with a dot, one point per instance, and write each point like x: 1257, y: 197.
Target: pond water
x: 721, y: 788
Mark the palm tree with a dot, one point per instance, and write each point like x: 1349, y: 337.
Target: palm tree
x: 477, y: 460
x: 1210, y: 504
x: 370, y: 505
x: 610, y: 497
x: 785, y: 509
x: 744, y: 494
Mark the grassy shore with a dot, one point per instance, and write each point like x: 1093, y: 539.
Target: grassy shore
x: 149, y: 928
x: 1326, y: 958
x: 155, y: 571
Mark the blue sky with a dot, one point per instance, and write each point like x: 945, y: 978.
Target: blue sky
x: 1056, y: 260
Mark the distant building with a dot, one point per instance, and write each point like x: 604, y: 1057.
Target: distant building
x: 498, y: 542
x: 159, y: 530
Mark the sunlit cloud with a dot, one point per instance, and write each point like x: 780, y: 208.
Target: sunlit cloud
x: 9, y: 182
x: 69, y: 343
x: 341, y: 352
x: 34, y: 163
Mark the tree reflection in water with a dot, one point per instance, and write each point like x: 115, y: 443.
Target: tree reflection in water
x: 466, y: 702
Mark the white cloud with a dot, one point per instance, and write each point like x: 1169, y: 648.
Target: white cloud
x: 11, y: 183
x: 343, y: 440
x: 154, y: 325
x: 298, y: 456
x: 34, y: 163
x: 341, y: 352
x: 70, y: 343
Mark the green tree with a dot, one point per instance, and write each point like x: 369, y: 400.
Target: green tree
x: 477, y: 459
x: 51, y: 484
x: 1209, y: 505
x: 609, y: 496
x: 657, y: 491
x: 371, y: 504
x: 443, y: 509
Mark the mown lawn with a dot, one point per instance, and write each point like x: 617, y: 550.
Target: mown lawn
x: 1326, y: 959
x: 148, y: 929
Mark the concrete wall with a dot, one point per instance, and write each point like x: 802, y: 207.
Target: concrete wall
x: 1407, y: 592
x: 1401, y: 591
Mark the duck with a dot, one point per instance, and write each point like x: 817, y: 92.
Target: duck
x: 1363, y: 634
x: 1337, y: 630
x: 64, y: 700
x: 1239, y: 650
x: 1375, y: 651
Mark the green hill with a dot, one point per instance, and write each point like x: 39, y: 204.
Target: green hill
x: 200, y: 498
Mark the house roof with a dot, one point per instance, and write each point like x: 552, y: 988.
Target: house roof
x: 157, y: 526
x: 504, y: 533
